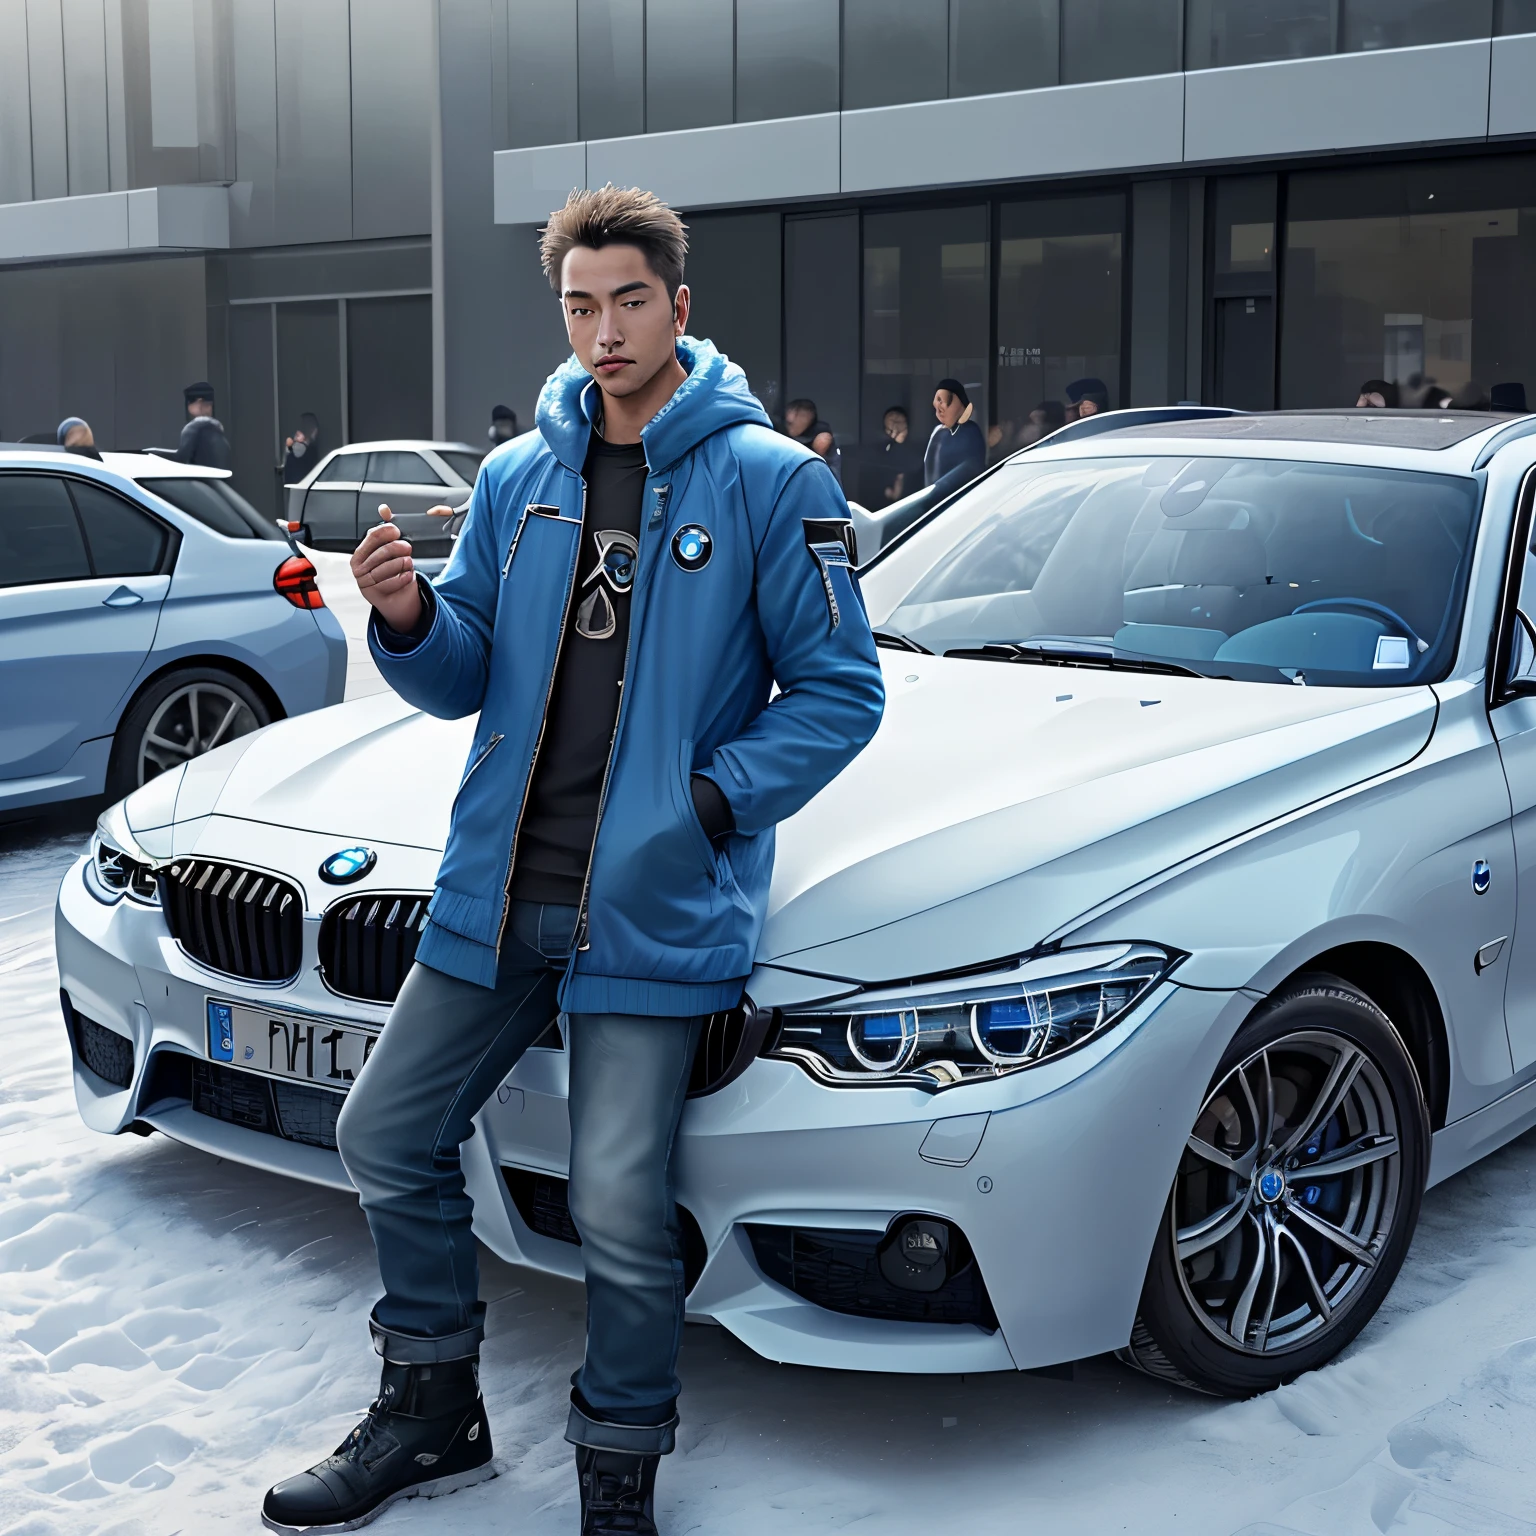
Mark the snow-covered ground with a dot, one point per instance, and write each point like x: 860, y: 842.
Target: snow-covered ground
x: 177, y: 1332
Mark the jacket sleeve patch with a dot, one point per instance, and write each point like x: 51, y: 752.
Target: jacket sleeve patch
x: 830, y: 542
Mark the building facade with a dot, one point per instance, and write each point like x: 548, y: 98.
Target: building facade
x: 332, y: 206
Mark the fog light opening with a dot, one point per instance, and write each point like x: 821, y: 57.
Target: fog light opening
x: 917, y: 1256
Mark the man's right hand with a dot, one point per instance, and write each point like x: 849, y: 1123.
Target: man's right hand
x: 382, y: 568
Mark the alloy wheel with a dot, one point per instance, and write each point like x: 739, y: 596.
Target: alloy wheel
x: 1287, y: 1192
x: 193, y: 719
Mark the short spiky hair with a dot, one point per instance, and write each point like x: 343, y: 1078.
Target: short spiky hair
x: 616, y: 216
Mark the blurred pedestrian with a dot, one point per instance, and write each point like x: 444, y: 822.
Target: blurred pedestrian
x: 503, y: 425
x: 1047, y: 417
x: 202, y: 439
x: 957, y: 451
x: 803, y: 422
x: 1472, y: 396
x: 1378, y: 395
x: 75, y: 436
x: 900, y: 460
x: 302, y: 451
x: 1086, y: 397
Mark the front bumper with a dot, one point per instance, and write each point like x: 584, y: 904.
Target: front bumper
x: 1058, y: 1183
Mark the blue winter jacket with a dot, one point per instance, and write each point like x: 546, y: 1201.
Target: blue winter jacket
x: 741, y: 583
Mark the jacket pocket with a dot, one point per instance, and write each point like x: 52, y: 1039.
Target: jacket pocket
x: 682, y: 798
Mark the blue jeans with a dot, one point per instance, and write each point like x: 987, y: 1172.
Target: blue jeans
x: 447, y: 1046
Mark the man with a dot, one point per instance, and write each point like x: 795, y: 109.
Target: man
x: 202, y: 439
x: 901, y: 460
x: 302, y: 451
x: 1086, y: 397
x: 503, y: 425
x: 633, y: 579
x: 957, y: 450
x: 1377, y: 395
x: 75, y: 436
x: 803, y: 422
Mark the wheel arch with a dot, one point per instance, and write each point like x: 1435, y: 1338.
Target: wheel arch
x: 190, y: 663
x: 1401, y: 988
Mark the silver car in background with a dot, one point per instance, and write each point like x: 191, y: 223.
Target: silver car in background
x: 1173, y: 934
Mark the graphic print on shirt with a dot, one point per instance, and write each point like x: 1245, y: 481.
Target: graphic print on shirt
x: 615, y: 569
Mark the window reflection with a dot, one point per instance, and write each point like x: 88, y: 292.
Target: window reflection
x: 1224, y: 32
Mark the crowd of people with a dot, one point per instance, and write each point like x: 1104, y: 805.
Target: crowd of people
x: 1424, y: 394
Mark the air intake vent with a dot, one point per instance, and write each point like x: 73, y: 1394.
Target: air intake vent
x: 239, y: 921
x: 368, y: 943
x: 102, y: 1050
x: 727, y: 1046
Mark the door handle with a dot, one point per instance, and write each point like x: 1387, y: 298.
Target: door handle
x: 124, y: 597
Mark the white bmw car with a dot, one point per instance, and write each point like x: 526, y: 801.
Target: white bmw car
x: 1171, y: 937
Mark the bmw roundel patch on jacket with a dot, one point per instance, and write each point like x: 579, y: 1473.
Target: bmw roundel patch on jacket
x: 692, y: 547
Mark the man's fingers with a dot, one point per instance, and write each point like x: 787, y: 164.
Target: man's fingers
x: 439, y: 511
x: 384, y: 511
x: 385, y: 563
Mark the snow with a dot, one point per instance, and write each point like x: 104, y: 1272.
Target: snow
x: 177, y: 1332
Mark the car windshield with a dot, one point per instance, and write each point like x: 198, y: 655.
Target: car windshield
x: 1257, y: 569
x: 465, y: 465
x: 216, y: 505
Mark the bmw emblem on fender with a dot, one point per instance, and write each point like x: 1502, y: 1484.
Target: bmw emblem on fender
x: 348, y: 865
x: 692, y: 547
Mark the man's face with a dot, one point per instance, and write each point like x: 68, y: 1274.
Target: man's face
x: 199, y: 407
x: 621, y: 324
x: 947, y: 408
x: 798, y: 420
x: 1375, y: 400
x: 896, y: 426
x: 79, y: 437
x: 1087, y: 407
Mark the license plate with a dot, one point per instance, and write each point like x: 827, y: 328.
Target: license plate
x: 318, y: 1051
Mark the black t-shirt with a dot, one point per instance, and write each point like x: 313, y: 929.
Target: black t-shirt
x: 554, y: 843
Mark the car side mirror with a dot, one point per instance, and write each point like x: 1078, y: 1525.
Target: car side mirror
x: 1522, y: 656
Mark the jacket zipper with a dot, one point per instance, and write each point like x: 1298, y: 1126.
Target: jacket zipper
x: 484, y: 753
x: 565, y: 614
x: 582, y: 941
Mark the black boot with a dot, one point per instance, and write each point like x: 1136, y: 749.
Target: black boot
x: 426, y: 1433
x: 618, y: 1492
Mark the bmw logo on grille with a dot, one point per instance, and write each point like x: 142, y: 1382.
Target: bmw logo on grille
x: 348, y: 865
x: 1271, y: 1185
x: 692, y: 547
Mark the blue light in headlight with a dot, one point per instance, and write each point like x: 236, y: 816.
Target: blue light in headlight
x: 881, y: 1042
x: 1006, y: 1029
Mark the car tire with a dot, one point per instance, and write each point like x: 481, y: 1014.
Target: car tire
x: 1246, y: 1289
x: 178, y: 717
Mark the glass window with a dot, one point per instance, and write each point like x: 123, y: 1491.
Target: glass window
x: 465, y: 465
x: 396, y: 468
x: 1114, y: 39
x: 389, y: 368
x: 124, y: 541
x: 1256, y: 570
x: 350, y: 467
x: 1514, y: 16
x: 735, y: 276
x: 688, y: 63
x: 786, y: 58
x: 1403, y: 23
x: 1058, y: 314
x: 894, y: 50
x: 821, y: 319
x: 1003, y: 45
x: 541, y: 73
x: 1250, y: 31
x: 216, y: 505
x: 1417, y: 275
x: 611, y: 43
x: 40, y: 536
x: 927, y: 301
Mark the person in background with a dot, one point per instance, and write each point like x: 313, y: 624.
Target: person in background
x: 900, y: 461
x: 1508, y: 397
x: 75, y: 435
x: 202, y: 439
x: 1046, y: 418
x: 1378, y: 395
x: 503, y: 425
x: 1436, y: 397
x: 957, y: 451
x: 803, y: 422
x: 1086, y: 397
x: 302, y: 451
x: 1472, y: 396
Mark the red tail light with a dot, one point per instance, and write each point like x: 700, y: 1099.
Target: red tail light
x: 295, y: 579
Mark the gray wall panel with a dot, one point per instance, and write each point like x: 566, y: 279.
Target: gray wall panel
x: 391, y: 119
x: 314, y: 120
x: 1352, y: 101
x: 786, y: 58
x: 1511, y: 101
x: 528, y: 183
x: 895, y: 50
x: 689, y: 63
x: 610, y: 37
x: 1160, y: 267
x: 117, y: 117
x: 1116, y: 124
x: 45, y: 69
x: 15, y: 105
x: 252, y: 205
x: 85, y: 95
x: 1003, y: 45
x: 541, y: 73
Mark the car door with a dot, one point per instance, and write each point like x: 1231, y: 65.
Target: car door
x: 1512, y: 711
x: 409, y: 484
x: 83, y: 575
x: 330, y: 505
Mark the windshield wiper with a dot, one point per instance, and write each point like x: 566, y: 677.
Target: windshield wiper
x: 1057, y: 655
x: 889, y: 640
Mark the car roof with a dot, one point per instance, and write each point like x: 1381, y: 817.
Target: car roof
x: 138, y: 466
x: 397, y: 444
x: 1375, y: 429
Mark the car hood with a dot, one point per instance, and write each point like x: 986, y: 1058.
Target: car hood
x: 996, y: 804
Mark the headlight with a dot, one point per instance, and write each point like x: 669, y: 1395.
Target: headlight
x: 118, y: 866
x: 960, y: 1028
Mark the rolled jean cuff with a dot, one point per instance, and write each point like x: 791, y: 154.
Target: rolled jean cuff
x: 412, y: 1349
x: 636, y: 1439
